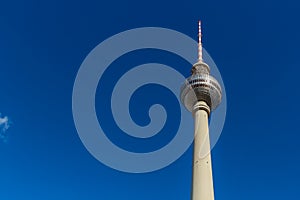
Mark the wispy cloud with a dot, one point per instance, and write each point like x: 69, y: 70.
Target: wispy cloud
x: 4, y: 125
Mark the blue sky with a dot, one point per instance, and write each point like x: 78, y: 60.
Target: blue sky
x: 255, y: 45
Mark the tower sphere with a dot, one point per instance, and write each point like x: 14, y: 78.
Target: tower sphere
x: 201, y: 87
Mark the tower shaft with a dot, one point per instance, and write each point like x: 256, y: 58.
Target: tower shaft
x: 202, y: 185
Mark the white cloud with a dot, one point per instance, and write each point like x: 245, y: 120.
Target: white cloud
x: 4, y: 125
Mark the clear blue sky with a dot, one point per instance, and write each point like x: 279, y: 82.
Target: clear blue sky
x: 255, y: 45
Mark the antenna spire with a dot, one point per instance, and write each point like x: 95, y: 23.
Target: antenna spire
x: 200, y: 44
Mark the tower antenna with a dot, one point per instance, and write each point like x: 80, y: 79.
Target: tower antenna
x: 200, y: 59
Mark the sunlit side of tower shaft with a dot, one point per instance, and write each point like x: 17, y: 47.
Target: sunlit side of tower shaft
x: 200, y: 94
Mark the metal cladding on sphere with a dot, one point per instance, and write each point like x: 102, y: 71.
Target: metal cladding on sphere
x: 201, y: 87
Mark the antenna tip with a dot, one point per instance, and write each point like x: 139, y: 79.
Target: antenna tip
x: 199, y: 26
x: 199, y: 43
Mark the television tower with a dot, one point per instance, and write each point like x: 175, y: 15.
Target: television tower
x: 200, y: 94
